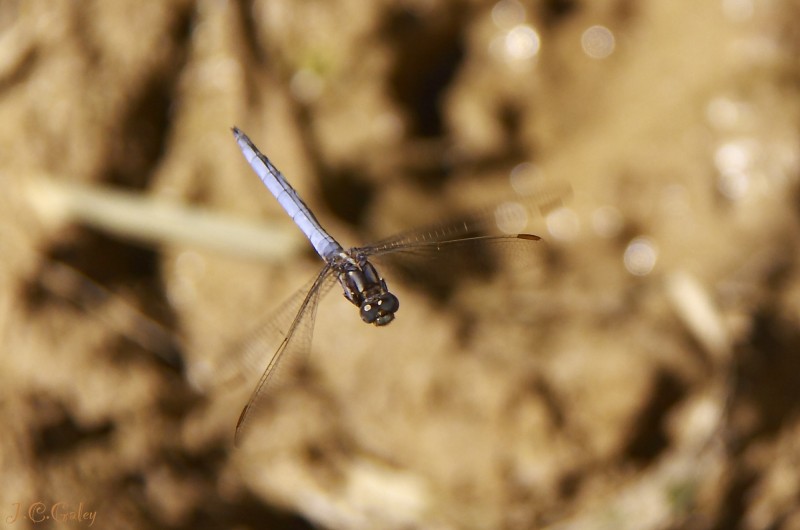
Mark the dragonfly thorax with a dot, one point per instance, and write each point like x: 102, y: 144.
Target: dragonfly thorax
x: 365, y: 289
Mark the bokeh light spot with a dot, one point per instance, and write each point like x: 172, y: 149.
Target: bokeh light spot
x: 522, y: 43
x: 598, y: 42
x: 640, y: 256
x: 508, y: 13
x: 511, y: 217
x: 734, y: 156
x: 563, y: 224
x: 523, y: 178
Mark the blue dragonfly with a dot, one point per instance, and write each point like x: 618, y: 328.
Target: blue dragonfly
x: 353, y: 270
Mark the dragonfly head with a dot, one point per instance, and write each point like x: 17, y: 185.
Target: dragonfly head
x: 379, y: 310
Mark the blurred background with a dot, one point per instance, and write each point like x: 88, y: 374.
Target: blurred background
x: 641, y: 372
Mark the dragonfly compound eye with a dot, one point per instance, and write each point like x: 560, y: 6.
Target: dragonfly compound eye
x: 389, y: 303
x: 380, y: 311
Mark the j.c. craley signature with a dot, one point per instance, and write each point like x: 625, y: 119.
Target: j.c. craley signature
x: 60, y: 512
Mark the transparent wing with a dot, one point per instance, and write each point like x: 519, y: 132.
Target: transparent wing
x: 443, y: 249
x: 444, y: 270
x: 292, y: 350
x: 479, y: 244
x: 255, y: 348
x: 250, y: 353
x: 507, y: 219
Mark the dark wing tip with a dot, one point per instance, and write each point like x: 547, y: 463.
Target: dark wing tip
x: 237, y: 436
x: 237, y: 132
x: 529, y: 237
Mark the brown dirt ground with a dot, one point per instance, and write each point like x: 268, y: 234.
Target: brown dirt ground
x: 574, y: 395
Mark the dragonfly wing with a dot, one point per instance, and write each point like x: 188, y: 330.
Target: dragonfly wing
x: 476, y: 244
x: 253, y: 350
x: 507, y: 219
x: 291, y: 352
x: 434, y: 248
x: 441, y: 265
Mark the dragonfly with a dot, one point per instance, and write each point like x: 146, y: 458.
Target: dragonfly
x: 353, y: 269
